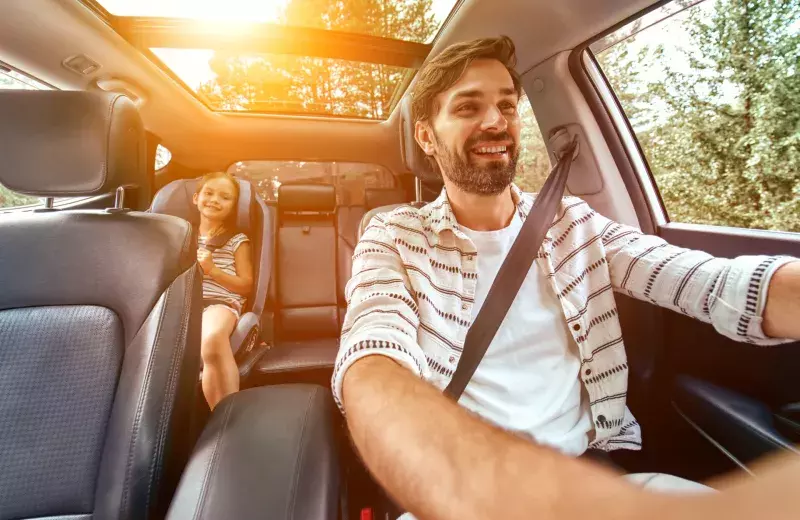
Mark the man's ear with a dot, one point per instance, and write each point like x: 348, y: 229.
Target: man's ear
x: 423, y: 134
x: 194, y: 199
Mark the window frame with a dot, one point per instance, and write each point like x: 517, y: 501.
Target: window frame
x: 144, y: 33
x: 623, y: 142
x: 396, y: 183
x: 628, y: 140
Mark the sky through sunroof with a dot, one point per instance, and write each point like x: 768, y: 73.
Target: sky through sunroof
x: 270, y: 11
x: 289, y: 83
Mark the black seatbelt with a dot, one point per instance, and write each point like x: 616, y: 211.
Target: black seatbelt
x: 512, y: 273
x: 218, y: 241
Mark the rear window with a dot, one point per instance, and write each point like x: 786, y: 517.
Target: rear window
x: 350, y: 179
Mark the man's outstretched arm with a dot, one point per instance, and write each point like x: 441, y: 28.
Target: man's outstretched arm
x: 748, y: 298
x: 441, y: 462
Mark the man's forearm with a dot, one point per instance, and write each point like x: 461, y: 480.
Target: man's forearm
x: 441, y: 462
x: 782, y: 311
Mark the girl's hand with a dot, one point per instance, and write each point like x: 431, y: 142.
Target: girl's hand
x: 205, y: 260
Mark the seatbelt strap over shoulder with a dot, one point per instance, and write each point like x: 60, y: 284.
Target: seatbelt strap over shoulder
x: 512, y: 273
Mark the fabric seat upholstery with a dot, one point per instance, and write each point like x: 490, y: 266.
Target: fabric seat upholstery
x: 99, y: 319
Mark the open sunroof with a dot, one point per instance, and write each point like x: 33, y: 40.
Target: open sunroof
x: 347, y: 58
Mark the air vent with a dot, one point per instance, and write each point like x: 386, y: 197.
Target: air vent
x: 81, y: 64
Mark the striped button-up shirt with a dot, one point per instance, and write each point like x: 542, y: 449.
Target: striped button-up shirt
x: 413, y: 287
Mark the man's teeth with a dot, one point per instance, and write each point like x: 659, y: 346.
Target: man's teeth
x: 492, y: 149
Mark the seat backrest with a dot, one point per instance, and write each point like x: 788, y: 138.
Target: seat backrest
x: 253, y: 217
x: 348, y: 218
x: 307, y: 302
x: 377, y: 197
x: 348, y: 222
x: 99, y: 318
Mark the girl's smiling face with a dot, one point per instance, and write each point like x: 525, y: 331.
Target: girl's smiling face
x: 215, y: 201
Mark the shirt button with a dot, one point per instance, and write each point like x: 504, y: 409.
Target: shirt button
x: 576, y: 327
x: 452, y: 359
x: 588, y: 371
x: 464, y: 306
x: 601, y: 419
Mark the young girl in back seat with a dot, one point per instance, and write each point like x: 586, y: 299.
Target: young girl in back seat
x: 224, y: 256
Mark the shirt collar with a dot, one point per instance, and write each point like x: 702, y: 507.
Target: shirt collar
x: 439, y: 217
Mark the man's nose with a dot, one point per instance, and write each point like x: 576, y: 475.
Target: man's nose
x: 494, y: 120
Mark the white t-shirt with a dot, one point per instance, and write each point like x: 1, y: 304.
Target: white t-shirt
x: 528, y: 380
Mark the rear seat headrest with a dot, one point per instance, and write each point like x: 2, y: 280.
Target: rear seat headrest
x: 413, y: 157
x: 377, y: 197
x: 307, y: 197
x: 70, y: 143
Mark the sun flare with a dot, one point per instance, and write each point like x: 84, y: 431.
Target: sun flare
x: 216, y: 10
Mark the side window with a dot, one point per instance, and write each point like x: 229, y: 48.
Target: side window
x: 11, y: 79
x: 163, y: 157
x: 533, y: 164
x: 712, y: 91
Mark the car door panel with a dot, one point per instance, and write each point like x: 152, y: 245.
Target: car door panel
x: 743, y: 427
x: 727, y: 391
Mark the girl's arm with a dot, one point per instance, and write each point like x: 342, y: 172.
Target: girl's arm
x: 242, y: 283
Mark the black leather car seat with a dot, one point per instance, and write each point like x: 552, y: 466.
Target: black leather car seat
x: 99, y: 318
x: 253, y: 333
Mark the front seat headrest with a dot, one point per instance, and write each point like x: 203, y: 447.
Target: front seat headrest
x: 318, y: 198
x: 413, y: 157
x: 176, y: 199
x: 71, y: 143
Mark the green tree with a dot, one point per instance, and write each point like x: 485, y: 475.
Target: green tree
x: 320, y: 85
x: 10, y: 199
x: 533, y: 165
x: 721, y: 130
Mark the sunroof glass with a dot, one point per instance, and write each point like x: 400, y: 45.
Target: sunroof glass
x: 410, y: 20
x: 286, y: 84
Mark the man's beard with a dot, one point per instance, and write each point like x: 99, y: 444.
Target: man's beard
x: 488, y: 179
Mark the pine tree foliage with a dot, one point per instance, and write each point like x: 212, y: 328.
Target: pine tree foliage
x: 720, y: 126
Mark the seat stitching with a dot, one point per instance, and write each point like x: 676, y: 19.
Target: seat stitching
x: 140, y: 404
x: 298, y: 465
x: 211, y: 465
x: 167, y: 406
x: 108, y: 141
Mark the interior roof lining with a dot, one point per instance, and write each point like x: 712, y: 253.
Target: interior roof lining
x: 200, y: 138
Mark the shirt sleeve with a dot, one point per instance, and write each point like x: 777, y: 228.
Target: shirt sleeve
x: 238, y: 240
x: 728, y: 293
x: 382, y: 316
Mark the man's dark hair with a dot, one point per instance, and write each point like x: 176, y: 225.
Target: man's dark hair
x: 443, y: 71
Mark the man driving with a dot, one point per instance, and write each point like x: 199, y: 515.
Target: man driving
x: 554, y: 378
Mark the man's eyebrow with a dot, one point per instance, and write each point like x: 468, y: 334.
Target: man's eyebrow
x: 472, y: 94
x: 468, y: 94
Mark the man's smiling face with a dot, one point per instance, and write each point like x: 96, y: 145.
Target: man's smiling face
x: 474, y: 131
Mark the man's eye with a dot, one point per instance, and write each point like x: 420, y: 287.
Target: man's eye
x: 508, y: 108
x: 466, y: 108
